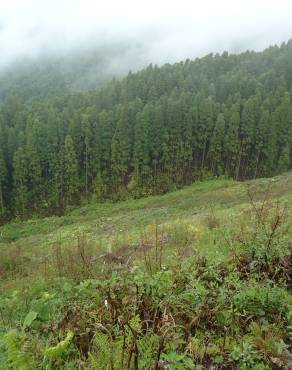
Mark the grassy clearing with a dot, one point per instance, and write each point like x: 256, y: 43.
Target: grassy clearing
x: 111, y: 224
x: 105, y: 220
x: 194, y: 279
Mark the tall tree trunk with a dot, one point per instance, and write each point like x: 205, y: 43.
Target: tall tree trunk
x: 1, y: 200
x: 86, y: 171
x: 256, y: 167
x: 204, y: 154
x: 239, y: 162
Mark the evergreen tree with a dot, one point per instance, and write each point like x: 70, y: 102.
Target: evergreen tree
x: 3, y: 181
x: 216, y: 146
x: 141, y: 150
x: 204, y: 127
x: 247, y: 128
x: 34, y: 169
x: 264, y: 146
x: 231, y: 143
x: 87, y: 132
x: 70, y: 170
x: 121, y: 147
x: 34, y: 177
x: 162, y: 126
x: 284, y: 159
x: 20, y: 177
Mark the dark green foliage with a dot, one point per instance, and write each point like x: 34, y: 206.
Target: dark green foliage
x: 20, y: 177
x: 3, y: 180
x: 121, y: 148
x: 150, y: 132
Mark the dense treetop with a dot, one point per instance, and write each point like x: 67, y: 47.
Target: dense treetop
x: 147, y: 133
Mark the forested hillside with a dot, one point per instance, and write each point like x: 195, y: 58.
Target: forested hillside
x: 53, y: 74
x: 149, y: 132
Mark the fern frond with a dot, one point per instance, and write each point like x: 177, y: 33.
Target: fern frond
x: 147, y: 347
x: 17, y: 357
x: 54, y: 353
x: 101, y: 355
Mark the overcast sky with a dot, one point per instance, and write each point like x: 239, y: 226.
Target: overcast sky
x: 168, y: 30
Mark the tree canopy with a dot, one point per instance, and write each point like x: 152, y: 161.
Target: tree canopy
x: 157, y: 129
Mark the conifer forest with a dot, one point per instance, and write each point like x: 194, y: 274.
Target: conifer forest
x: 150, y: 132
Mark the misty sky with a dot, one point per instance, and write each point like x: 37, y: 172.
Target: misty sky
x: 168, y: 30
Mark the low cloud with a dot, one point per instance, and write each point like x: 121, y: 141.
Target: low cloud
x: 160, y: 31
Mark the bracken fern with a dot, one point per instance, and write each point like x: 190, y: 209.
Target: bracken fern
x: 18, y: 357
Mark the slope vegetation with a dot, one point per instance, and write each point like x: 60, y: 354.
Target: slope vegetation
x: 193, y: 279
x: 149, y: 133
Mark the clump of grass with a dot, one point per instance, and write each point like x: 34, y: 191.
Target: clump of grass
x: 212, y: 221
x: 77, y: 261
x: 13, y: 262
x: 263, y: 242
x: 181, y: 234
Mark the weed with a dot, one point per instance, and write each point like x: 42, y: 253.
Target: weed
x: 170, y: 290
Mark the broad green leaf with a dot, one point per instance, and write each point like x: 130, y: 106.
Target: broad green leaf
x: 29, y: 318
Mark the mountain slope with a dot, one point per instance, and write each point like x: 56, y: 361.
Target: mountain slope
x: 121, y: 222
x: 196, y: 277
x: 47, y: 75
x: 149, y: 133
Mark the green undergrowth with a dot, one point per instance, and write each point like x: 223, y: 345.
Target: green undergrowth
x: 195, y: 279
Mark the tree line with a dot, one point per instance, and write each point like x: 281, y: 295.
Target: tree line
x: 154, y: 130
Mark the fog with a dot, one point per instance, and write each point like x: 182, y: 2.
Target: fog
x: 155, y: 31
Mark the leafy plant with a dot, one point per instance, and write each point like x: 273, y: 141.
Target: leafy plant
x: 29, y: 318
x: 17, y: 354
x: 245, y: 355
x: 56, y: 352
